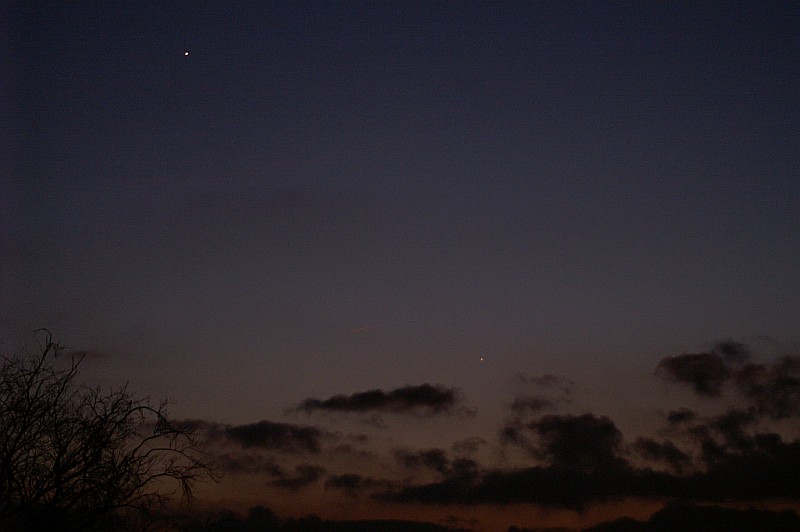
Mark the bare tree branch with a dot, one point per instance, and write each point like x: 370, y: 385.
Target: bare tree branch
x: 71, y: 454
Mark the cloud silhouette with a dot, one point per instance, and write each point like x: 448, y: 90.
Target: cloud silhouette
x: 732, y: 426
x: 529, y: 404
x: 353, y: 484
x: 584, y: 441
x: 514, y: 433
x: 583, y: 460
x: 546, y: 486
x: 773, y: 390
x: 706, y: 372
x: 304, y: 474
x: 740, y: 454
x: 768, y: 472
x: 732, y: 351
x: 284, y: 437
x: 683, y: 415
x: 663, y: 452
x: 238, y: 463
x: 425, y: 399
x: 582, y: 463
x: 435, y: 459
x: 468, y: 445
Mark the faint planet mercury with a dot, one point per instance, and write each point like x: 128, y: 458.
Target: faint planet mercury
x: 185, y: 54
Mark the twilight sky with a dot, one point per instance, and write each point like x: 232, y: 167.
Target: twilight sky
x: 388, y: 253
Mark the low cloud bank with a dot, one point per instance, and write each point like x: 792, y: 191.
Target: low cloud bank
x: 422, y: 399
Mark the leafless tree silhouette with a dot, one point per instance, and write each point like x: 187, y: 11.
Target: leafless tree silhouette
x: 71, y: 455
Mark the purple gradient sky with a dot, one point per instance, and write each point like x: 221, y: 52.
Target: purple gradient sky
x: 327, y: 198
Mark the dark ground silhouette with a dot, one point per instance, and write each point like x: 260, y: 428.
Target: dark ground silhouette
x: 678, y: 516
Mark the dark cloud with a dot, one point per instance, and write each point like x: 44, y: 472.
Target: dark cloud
x: 684, y: 415
x: 207, y: 430
x: 546, y: 486
x: 765, y: 468
x: 764, y: 475
x: 347, y: 449
x: 732, y: 427
x: 706, y: 372
x: 581, y: 453
x: 584, y: 441
x: 730, y: 437
x: 514, y: 433
x: 732, y: 351
x: 468, y: 411
x: 463, y: 469
x: 237, y: 463
x: 304, y: 474
x: 425, y: 399
x: 773, y: 390
x: 353, y: 484
x: 283, y: 437
x: 375, y: 421
x: 582, y: 459
x: 575, y: 460
x: 528, y: 404
x: 456, y: 521
x: 663, y: 452
x: 583, y: 462
x: 468, y: 445
x: 435, y: 459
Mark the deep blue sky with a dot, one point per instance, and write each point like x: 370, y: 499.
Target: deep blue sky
x: 330, y: 197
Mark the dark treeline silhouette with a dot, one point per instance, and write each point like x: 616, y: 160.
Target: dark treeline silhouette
x: 676, y: 516
x: 262, y: 519
x: 679, y: 516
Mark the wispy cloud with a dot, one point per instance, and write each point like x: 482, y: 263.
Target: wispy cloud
x: 354, y: 484
x: 423, y: 399
x: 304, y: 474
x: 238, y: 463
x: 662, y: 452
x: 468, y: 446
x: 773, y: 390
x: 284, y: 437
x: 682, y: 415
x: 529, y: 404
x: 435, y: 459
